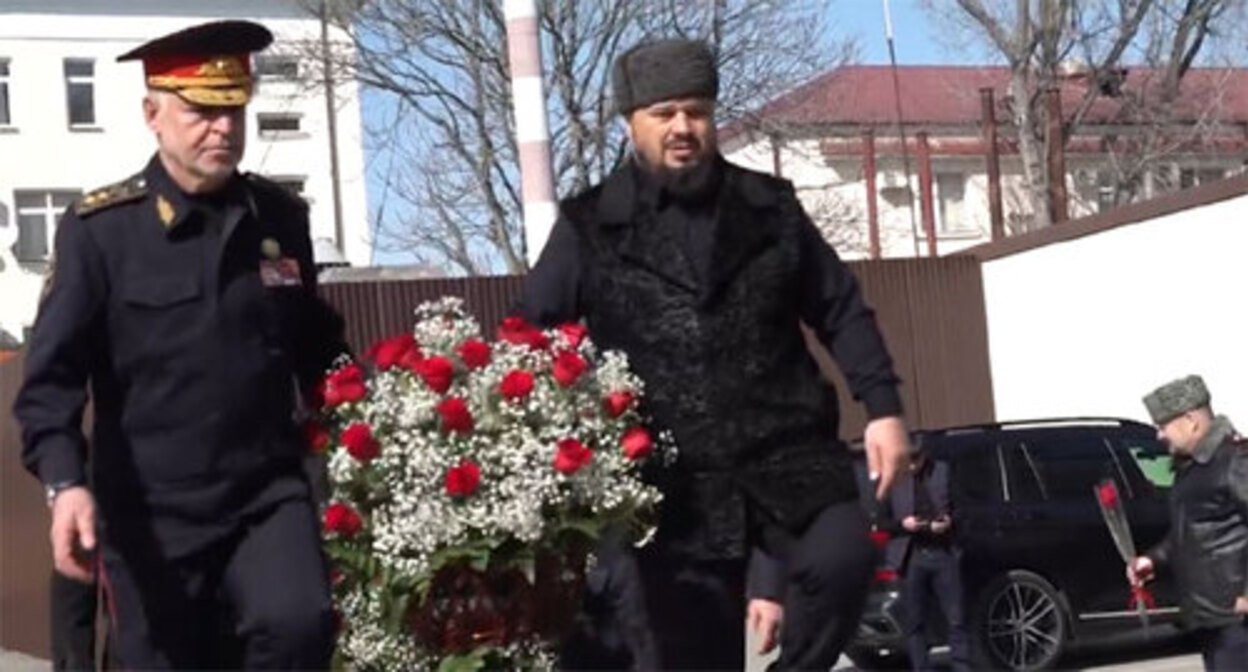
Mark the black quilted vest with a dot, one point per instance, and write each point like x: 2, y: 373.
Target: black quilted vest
x: 725, y: 366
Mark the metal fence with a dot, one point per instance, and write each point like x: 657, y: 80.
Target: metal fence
x: 930, y: 310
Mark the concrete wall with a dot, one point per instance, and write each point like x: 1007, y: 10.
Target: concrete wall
x: 1088, y: 326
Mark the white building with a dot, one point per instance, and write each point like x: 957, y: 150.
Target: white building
x: 71, y: 121
x: 815, y: 137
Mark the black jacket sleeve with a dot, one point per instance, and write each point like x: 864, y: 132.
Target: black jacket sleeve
x: 832, y: 305
x: 321, y: 337
x: 552, y: 288
x: 58, y: 363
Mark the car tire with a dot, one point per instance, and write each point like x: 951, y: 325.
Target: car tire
x: 870, y: 659
x: 1020, y: 623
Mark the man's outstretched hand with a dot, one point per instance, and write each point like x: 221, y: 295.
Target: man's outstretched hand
x: 888, y: 451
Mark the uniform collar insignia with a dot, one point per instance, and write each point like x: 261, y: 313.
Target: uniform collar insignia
x: 164, y: 209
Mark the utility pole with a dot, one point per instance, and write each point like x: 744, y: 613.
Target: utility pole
x: 524, y: 49
x: 331, y: 118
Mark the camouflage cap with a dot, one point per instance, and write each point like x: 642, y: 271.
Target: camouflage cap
x: 1176, y: 398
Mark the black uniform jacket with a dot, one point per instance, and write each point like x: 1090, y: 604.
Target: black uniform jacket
x: 193, y: 325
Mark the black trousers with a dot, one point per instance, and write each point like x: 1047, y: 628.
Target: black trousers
x: 934, y: 572
x: 654, y: 611
x: 258, y: 600
x: 73, y: 607
x: 1225, y: 649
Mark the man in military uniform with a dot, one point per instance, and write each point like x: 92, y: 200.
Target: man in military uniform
x: 185, y: 296
x: 701, y: 272
x: 1207, y: 548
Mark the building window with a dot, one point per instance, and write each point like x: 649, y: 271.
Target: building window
x: 292, y: 184
x: 80, y: 91
x: 37, y: 212
x: 278, y: 125
x: 951, y: 203
x: 277, y: 67
x: 5, y: 119
x: 1192, y: 177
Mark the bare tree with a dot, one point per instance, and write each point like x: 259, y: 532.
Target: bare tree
x: 1036, y: 38
x: 449, y: 156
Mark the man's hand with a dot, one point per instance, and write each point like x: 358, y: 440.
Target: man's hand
x: 763, y: 618
x: 1241, y: 605
x: 1140, y: 570
x: 888, y: 451
x: 911, y: 524
x: 73, y: 533
x: 942, y: 524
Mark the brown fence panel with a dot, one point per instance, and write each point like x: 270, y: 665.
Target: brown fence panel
x: 25, y: 557
x: 930, y: 310
x: 377, y: 309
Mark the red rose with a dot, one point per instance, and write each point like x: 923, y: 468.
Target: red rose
x: 395, y: 351
x: 316, y: 437
x: 516, y: 385
x: 455, y: 416
x: 474, y: 353
x: 516, y: 330
x: 571, y: 456
x: 573, y: 331
x: 437, y: 372
x: 617, y: 403
x: 568, y: 368
x: 463, y: 480
x: 879, y: 538
x: 343, y: 386
x: 637, y: 443
x: 342, y: 520
x: 358, y: 438
x: 1108, y: 494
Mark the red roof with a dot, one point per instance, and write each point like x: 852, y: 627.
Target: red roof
x: 863, y: 94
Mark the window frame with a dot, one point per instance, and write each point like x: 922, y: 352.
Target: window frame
x: 6, y: 92
x: 72, y: 81
x: 280, y: 133
x: 943, y: 230
x: 50, y: 213
x: 266, y: 61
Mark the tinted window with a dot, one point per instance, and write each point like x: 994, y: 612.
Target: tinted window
x: 1152, y: 458
x: 1023, y: 473
x: 976, y: 475
x: 1070, y: 464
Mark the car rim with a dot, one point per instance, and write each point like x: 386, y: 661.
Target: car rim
x: 1024, y: 626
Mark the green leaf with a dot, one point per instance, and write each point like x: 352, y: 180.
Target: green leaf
x: 472, y: 662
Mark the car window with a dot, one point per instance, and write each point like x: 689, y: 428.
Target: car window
x: 1153, y: 459
x: 976, y: 475
x: 1025, y: 484
x: 1070, y: 464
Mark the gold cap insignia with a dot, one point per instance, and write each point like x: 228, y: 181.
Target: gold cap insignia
x: 164, y: 209
x: 228, y: 67
x: 270, y: 248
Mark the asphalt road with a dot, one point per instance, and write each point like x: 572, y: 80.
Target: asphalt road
x: 1161, y: 652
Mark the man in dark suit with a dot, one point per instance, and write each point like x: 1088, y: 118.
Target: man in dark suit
x: 925, y: 552
x: 185, y: 298
x: 701, y: 272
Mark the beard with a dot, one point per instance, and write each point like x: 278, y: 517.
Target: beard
x: 688, y: 183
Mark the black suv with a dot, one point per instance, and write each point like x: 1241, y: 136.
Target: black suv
x: 1039, y: 566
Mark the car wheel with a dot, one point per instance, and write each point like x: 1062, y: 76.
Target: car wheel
x: 1020, y: 623
x: 871, y: 659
